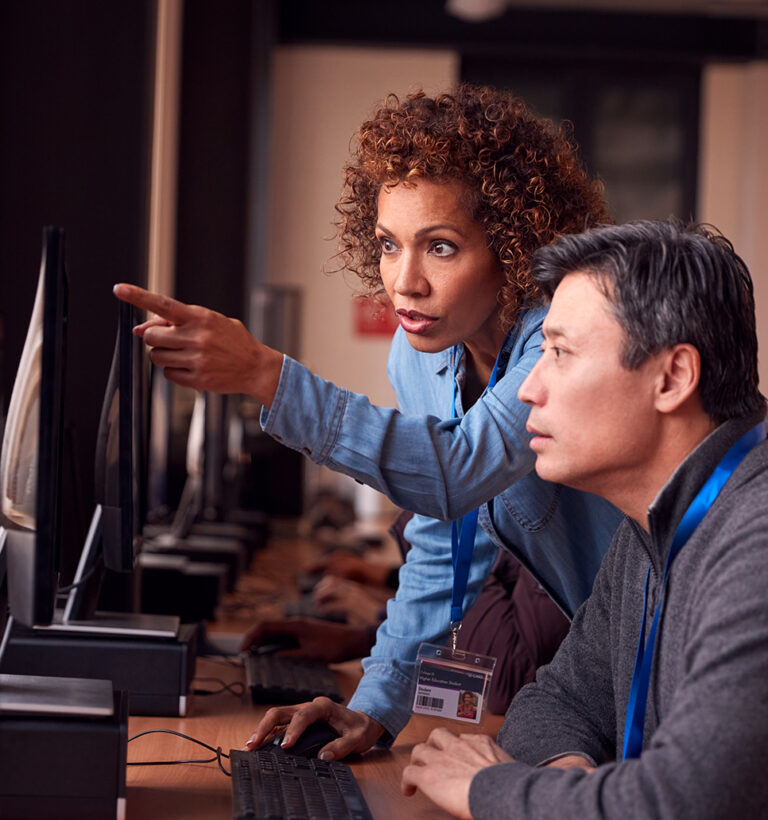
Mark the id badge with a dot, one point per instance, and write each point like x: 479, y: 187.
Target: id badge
x: 452, y: 683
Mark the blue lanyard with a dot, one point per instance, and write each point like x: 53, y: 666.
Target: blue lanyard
x: 463, y: 531
x: 641, y: 676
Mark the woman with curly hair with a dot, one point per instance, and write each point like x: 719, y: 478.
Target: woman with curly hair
x: 445, y: 201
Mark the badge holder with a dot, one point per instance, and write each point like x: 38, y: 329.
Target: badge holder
x: 452, y: 683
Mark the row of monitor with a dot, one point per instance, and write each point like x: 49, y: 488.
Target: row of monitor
x: 31, y: 458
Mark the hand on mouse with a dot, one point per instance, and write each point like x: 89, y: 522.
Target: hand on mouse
x: 319, y: 640
x: 358, y: 731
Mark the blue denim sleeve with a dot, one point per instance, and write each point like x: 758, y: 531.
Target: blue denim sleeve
x: 434, y: 466
x: 419, y: 612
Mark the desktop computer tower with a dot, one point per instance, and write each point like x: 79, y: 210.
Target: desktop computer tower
x: 64, y: 767
x: 156, y: 673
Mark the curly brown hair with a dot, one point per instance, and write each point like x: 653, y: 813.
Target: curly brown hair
x: 526, y: 184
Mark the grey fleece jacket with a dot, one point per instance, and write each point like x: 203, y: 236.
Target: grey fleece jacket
x: 705, y: 744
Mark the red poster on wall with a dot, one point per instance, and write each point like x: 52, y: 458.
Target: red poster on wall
x: 373, y: 316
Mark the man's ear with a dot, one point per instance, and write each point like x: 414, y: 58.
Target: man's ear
x: 678, y: 378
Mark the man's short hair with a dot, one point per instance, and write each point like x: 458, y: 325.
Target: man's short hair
x: 668, y: 284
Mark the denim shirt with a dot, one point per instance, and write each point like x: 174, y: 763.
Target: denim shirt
x: 442, y: 468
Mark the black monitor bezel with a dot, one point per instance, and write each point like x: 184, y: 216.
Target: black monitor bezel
x: 51, y: 430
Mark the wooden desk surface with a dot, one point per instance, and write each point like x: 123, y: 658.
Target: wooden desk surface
x: 202, y: 791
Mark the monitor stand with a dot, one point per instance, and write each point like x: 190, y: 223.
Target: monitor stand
x: 118, y: 625
x: 78, y: 616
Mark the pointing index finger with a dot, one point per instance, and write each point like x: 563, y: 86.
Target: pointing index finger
x: 169, y: 309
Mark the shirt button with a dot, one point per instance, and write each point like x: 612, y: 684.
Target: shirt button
x: 306, y: 451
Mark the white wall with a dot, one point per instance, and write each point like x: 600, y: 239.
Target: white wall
x: 733, y: 189
x: 321, y: 96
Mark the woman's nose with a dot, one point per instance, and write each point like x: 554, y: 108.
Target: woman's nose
x: 411, y: 277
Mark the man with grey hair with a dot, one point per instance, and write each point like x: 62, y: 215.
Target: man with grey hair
x: 646, y: 394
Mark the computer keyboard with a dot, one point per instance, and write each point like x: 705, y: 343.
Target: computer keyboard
x: 276, y: 679
x: 270, y: 785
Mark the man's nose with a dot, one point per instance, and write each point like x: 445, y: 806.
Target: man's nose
x: 531, y: 390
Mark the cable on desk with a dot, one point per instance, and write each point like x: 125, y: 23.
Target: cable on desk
x: 236, y: 688
x: 221, y: 657
x: 219, y: 753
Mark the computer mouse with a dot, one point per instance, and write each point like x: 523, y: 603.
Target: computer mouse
x: 309, y: 743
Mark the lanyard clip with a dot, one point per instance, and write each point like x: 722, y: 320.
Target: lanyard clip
x: 455, y: 627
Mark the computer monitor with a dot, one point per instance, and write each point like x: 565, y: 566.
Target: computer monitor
x: 30, y: 462
x: 121, y: 447
x: 5, y: 615
x: 191, y: 502
x: 208, y: 460
x: 114, y: 537
x: 159, y: 450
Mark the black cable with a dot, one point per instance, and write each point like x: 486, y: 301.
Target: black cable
x: 221, y: 657
x: 236, y: 688
x: 217, y: 750
x: 62, y: 591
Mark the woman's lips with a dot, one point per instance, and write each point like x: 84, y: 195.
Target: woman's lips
x: 414, y: 322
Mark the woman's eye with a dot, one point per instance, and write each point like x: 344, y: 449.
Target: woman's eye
x: 387, y: 245
x: 442, y: 248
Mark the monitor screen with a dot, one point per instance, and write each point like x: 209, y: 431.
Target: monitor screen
x: 190, y: 504
x: 121, y: 447
x: 114, y: 537
x: 215, y: 459
x: 158, y: 455
x: 30, y: 462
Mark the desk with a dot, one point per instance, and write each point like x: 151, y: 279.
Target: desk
x: 202, y: 791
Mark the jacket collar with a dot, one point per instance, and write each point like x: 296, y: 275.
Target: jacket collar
x: 445, y: 358
x: 669, y: 506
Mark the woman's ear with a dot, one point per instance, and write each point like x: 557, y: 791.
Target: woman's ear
x: 679, y: 377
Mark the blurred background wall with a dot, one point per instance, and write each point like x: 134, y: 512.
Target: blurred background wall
x: 199, y: 147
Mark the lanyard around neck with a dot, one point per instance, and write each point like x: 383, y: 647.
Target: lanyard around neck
x: 463, y: 531
x: 641, y: 676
